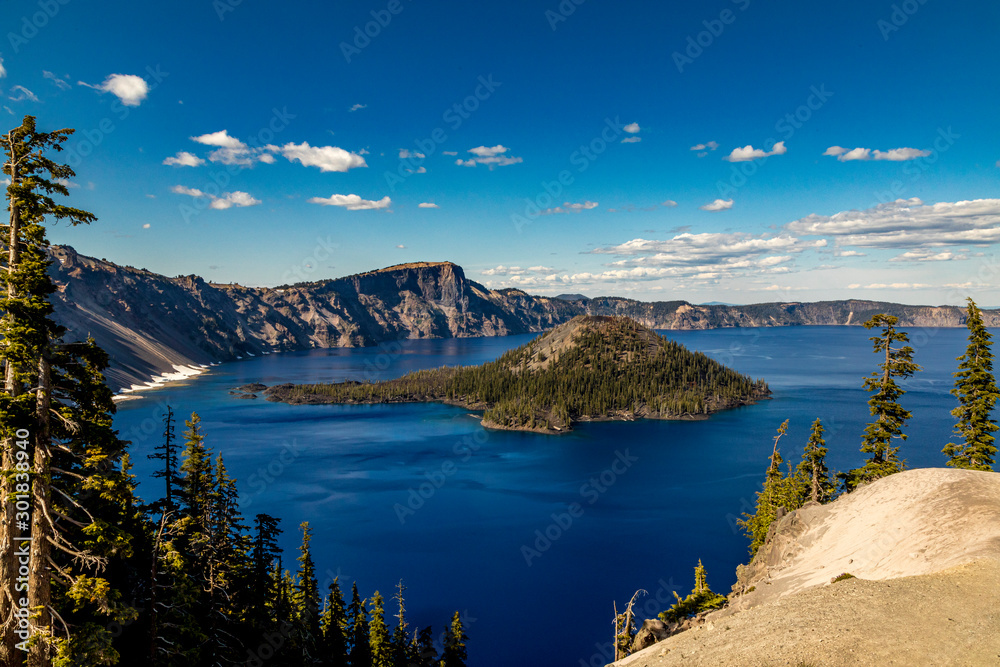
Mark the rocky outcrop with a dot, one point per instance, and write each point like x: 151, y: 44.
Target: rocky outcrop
x: 150, y: 323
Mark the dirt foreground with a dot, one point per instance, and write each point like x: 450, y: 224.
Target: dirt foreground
x: 924, y: 548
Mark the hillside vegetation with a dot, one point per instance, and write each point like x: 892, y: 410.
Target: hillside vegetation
x: 587, y: 369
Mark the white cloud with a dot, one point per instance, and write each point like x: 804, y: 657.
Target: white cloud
x: 183, y: 190
x: 128, y: 88
x: 231, y: 150
x: 748, y: 152
x: 730, y: 250
x: 358, y: 107
x: 405, y: 154
x: 892, y: 155
x: 503, y: 271
x: 889, y: 286
x: 66, y: 183
x: 220, y: 138
x: 61, y: 84
x: 483, y: 151
x: 3, y: 70
x: 351, y: 202
x: 326, y: 158
x: 850, y: 253
x: 711, y: 145
x: 517, y: 270
x: 418, y: 170
x: 427, y: 204
x: 184, y: 159
x: 670, y: 203
x: 571, y: 208
x: 146, y: 226
x: 632, y: 128
x: 490, y: 156
x: 236, y: 198
x: 401, y: 247
x: 223, y: 201
x: 22, y: 94
x: 631, y: 140
x: 928, y: 256
x: 909, y: 223
x: 452, y: 153
x: 718, y: 205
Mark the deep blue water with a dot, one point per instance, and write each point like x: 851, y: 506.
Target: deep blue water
x: 424, y: 493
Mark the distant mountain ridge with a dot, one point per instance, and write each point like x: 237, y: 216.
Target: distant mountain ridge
x: 150, y: 323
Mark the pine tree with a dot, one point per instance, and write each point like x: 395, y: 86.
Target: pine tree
x: 701, y: 599
x: 884, y: 404
x: 381, y: 646
x: 977, y: 394
x: 423, y: 648
x: 454, y: 653
x: 263, y: 588
x: 357, y: 631
x: 306, y: 600
x: 779, y: 493
x: 812, y: 471
x: 81, y: 498
x: 334, y: 628
x: 167, y: 453
x: 400, y: 635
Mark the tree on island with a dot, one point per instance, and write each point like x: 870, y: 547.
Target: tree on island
x: 884, y: 404
x: 976, y: 391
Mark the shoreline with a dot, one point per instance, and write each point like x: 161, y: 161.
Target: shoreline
x: 181, y: 372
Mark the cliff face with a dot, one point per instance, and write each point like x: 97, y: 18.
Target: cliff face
x: 148, y: 323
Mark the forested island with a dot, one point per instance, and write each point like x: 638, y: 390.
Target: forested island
x: 590, y: 368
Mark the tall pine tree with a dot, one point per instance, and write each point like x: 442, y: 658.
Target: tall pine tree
x: 890, y: 417
x: 977, y: 394
x: 167, y: 454
x: 56, y: 442
x: 381, y: 645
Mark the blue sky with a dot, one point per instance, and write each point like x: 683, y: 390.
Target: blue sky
x: 847, y: 149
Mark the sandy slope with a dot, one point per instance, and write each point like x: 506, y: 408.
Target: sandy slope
x: 925, y: 548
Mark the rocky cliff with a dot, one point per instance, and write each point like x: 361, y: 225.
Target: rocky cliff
x: 150, y: 323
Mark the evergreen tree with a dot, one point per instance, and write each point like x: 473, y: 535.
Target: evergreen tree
x: 423, y: 648
x: 701, y: 599
x: 454, y: 653
x: 357, y: 631
x: 381, y: 646
x: 897, y: 362
x: 306, y: 600
x: 813, y: 473
x: 67, y: 458
x: 167, y: 453
x: 780, y: 493
x: 977, y: 394
x: 401, y: 652
x: 334, y: 628
x: 263, y: 588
